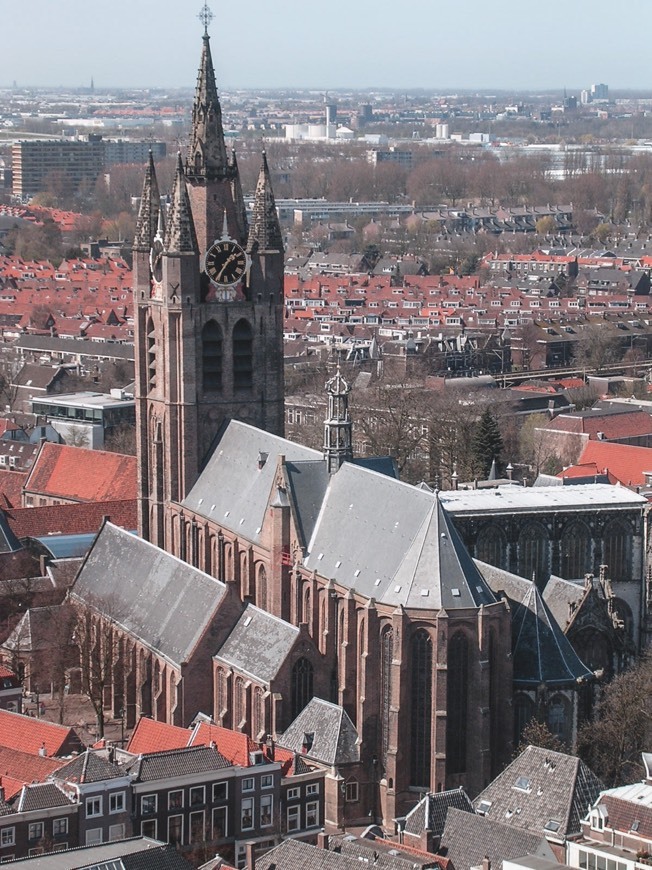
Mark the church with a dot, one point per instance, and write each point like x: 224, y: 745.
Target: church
x: 268, y: 574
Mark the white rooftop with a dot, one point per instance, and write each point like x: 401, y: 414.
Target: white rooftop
x: 543, y: 498
x: 87, y: 399
x: 639, y: 793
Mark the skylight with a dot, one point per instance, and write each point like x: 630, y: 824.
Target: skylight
x: 523, y: 784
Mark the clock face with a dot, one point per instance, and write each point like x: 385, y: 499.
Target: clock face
x: 225, y: 263
x: 156, y: 259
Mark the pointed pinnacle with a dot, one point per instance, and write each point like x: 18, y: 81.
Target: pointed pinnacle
x: 265, y: 232
x: 180, y: 235
x: 150, y: 207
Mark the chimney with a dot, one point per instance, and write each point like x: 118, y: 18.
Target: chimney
x: 251, y: 856
x: 322, y: 840
x: 43, y: 751
x: 486, y: 863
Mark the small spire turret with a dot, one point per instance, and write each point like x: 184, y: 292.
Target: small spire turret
x: 265, y: 231
x: 338, y: 429
x: 238, y: 198
x: 150, y: 209
x: 180, y: 237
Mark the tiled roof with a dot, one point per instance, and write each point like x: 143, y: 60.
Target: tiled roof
x: 89, y: 767
x: 21, y: 768
x: 234, y: 745
x: 177, y: 762
x: 31, y: 735
x: 296, y: 855
x: 624, y: 462
x: 152, y: 736
x: 623, y: 815
x: 40, y: 796
x: 11, y: 488
x: 258, y: 645
x: 541, y: 788
x: 627, y: 424
x: 72, y: 519
x: 331, y: 734
x: 82, y: 475
x: 431, y: 811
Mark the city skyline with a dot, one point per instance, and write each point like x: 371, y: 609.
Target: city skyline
x: 502, y: 46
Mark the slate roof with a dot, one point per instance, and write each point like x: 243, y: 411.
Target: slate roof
x: 334, y: 738
x: 541, y: 788
x: 82, y: 475
x: 89, y: 767
x: 30, y: 735
x: 540, y: 650
x: 258, y: 644
x: 154, y: 596
x: 138, y: 853
x: 40, y: 796
x: 177, y: 762
x: 34, y: 631
x: 469, y: 838
x: 431, y: 811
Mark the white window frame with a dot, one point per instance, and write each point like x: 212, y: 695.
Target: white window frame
x: 294, y: 818
x: 7, y: 836
x: 224, y: 810
x: 267, y: 799
x: 200, y: 789
x: 294, y: 794
x: 148, y: 797
x: 176, y: 816
x: 202, y: 837
x: 175, y: 806
x: 93, y: 837
x: 93, y: 807
x: 251, y: 806
x: 220, y: 785
x: 248, y: 784
x: 352, y: 793
x: 312, y: 788
x: 312, y: 807
x: 119, y: 829
x: 267, y: 781
x: 112, y: 798
x: 63, y: 822
x: 36, y: 826
x: 154, y: 822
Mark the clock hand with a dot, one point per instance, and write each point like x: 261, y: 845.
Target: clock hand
x: 226, y: 263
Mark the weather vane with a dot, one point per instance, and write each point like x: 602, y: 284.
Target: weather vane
x: 205, y: 16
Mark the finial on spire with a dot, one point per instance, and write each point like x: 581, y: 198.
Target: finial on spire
x: 206, y: 16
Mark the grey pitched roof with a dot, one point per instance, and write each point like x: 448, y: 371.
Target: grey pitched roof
x: 296, y: 855
x: 9, y: 543
x: 89, y: 767
x: 431, y: 811
x: 232, y: 487
x: 177, y: 762
x: 468, y: 839
x: 163, y: 601
x: 393, y: 542
x: 563, y: 597
x: 35, y: 629
x: 334, y: 738
x: 40, y: 796
x: 258, y: 644
x: 554, y: 790
x: 541, y: 651
x: 308, y: 484
x: 138, y: 853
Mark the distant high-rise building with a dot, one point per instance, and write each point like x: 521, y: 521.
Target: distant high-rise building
x: 600, y: 92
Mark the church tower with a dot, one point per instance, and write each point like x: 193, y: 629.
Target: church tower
x: 208, y: 292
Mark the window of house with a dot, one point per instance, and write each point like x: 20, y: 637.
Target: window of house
x: 148, y: 804
x: 266, y: 806
x: 7, y: 836
x: 93, y: 807
x: 175, y: 830
x: 247, y: 814
x: 220, y: 823
x: 294, y: 818
x: 35, y: 831
x: 148, y: 829
x: 312, y: 814
x: 36, y: 851
x: 267, y: 781
x: 116, y: 832
x: 59, y: 827
x: 294, y: 794
x: 312, y: 788
x: 351, y: 793
x: 220, y: 791
x: 93, y: 836
x: 197, y: 828
x: 197, y: 796
x: 248, y: 784
x: 175, y: 799
x: 117, y: 802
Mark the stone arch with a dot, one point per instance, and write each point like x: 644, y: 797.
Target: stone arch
x: 421, y: 708
x: 534, y: 553
x: 243, y: 355
x: 576, y: 558
x: 211, y: 356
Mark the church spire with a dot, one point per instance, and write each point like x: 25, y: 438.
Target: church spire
x: 265, y: 232
x: 207, y: 156
x: 180, y: 235
x: 150, y: 207
x: 238, y: 198
x: 338, y: 429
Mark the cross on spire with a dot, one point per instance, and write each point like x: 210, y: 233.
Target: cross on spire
x: 206, y: 16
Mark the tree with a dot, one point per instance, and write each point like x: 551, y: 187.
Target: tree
x: 487, y: 442
x: 536, y: 446
x: 612, y: 744
x: 596, y: 348
x: 537, y: 733
x: 545, y: 226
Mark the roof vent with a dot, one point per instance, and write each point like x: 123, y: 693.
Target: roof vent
x: 455, y: 592
x: 262, y: 459
x: 307, y: 742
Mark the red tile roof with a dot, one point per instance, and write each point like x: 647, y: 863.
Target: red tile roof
x: 234, y: 745
x: 626, y: 463
x: 150, y: 736
x: 24, y: 734
x: 623, y: 813
x: 627, y: 425
x: 82, y: 475
x: 71, y: 519
x: 11, y: 488
x: 20, y: 768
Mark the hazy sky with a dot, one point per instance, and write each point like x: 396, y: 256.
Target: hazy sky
x: 513, y: 44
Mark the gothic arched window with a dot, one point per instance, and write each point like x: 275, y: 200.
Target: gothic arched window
x: 491, y: 546
x: 243, y: 355
x: 457, y: 703
x: 238, y: 703
x: 261, y: 591
x: 302, y: 675
x: 575, y: 551
x: 386, y: 656
x: 258, y: 714
x: 211, y: 356
x: 421, y: 669
x: 559, y: 717
x: 617, y: 549
x: 534, y: 553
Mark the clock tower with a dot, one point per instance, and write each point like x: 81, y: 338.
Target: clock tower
x: 208, y: 293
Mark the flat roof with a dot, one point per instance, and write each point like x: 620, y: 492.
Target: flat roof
x: 86, y: 400
x: 549, y: 499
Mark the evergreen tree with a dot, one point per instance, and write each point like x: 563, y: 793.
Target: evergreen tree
x: 487, y: 442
